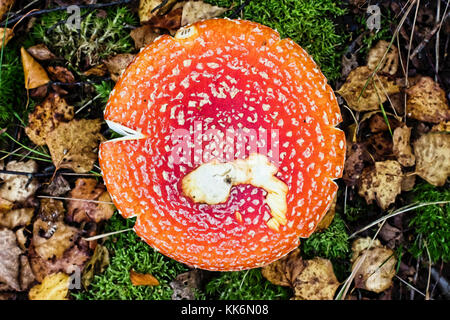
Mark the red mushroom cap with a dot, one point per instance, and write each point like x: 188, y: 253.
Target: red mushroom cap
x: 222, y: 73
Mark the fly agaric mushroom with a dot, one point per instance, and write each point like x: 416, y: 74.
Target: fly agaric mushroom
x: 245, y: 209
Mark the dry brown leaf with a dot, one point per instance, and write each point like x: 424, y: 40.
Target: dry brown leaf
x: 53, y: 287
x: 379, y: 146
x: 6, y: 34
x: 16, y: 218
x: 371, y: 98
x: 41, y: 52
x: 5, y: 6
x: 381, y: 183
x: 89, y: 189
x: 317, y: 281
x: 60, y: 238
x: 328, y: 218
x: 390, y: 62
x: 146, y: 8
x: 35, y: 75
x: 74, y: 145
x: 391, y: 235
x: 61, y: 74
x: 116, y: 65
x: 377, y: 123
x: 97, y: 264
x: 170, y: 21
x: 73, y: 258
x: 194, y: 11
x: 432, y: 151
x: 354, y: 164
x: 441, y: 127
x: 46, y: 117
x: 58, y: 186
x: 284, y: 271
x: 401, y: 146
x: 143, y: 36
x: 26, y: 275
x: 5, y: 205
x: 408, y: 182
x: 17, y: 188
x: 378, y: 268
x: 9, y: 260
x: 99, y: 71
x: 427, y: 102
x: 141, y: 279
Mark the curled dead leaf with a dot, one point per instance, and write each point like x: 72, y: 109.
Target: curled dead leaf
x: 389, y: 64
x: 5, y: 6
x: 143, y: 279
x: 284, y: 271
x: 97, y: 264
x: 41, y: 52
x: 402, y: 147
x: 58, y: 186
x: 17, y: 188
x: 61, y: 74
x: 378, y: 267
x: 432, y: 151
x: 35, y: 75
x: 6, y: 34
x: 52, y: 239
x: 143, y: 36
x: 170, y: 21
x: 427, y: 102
x: 360, y: 97
x: 9, y: 260
x: 89, y: 189
x: 99, y: 71
x: 46, y: 117
x: 194, y: 11
x: 354, y: 164
x: 117, y: 64
x: 74, y: 144
x: 381, y: 183
x: 317, y: 280
x: 53, y: 287
x: 16, y: 218
x: 150, y: 8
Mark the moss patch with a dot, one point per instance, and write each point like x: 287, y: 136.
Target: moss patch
x: 431, y: 223
x: 245, y: 285
x: 128, y: 252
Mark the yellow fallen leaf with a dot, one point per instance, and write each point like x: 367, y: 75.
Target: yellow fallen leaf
x: 35, y: 75
x: 74, y: 145
x: 284, y: 271
x: 328, y: 218
x: 6, y: 34
x: 143, y: 279
x: 53, y: 287
x: 5, y: 5
x: 147, y: 10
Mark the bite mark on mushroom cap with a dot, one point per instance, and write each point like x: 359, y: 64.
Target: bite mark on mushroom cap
x: 224, y: 73
x: 211, y: 183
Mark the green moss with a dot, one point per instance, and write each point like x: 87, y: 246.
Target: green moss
x: 332, y: 243
x: 98, y: 37
x: 245, y: 285
x: 128, y: 252
x: 431, y: 223
x: 103, y: 89
x: 12, y: 90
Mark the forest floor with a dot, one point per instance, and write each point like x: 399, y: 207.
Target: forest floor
x: 386, y: 238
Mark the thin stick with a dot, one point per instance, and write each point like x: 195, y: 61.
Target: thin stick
x: 76, y: 199
x: 404, y: 209
x: 427, y: 291
x: 100, y: 236
x: 410, y: 285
